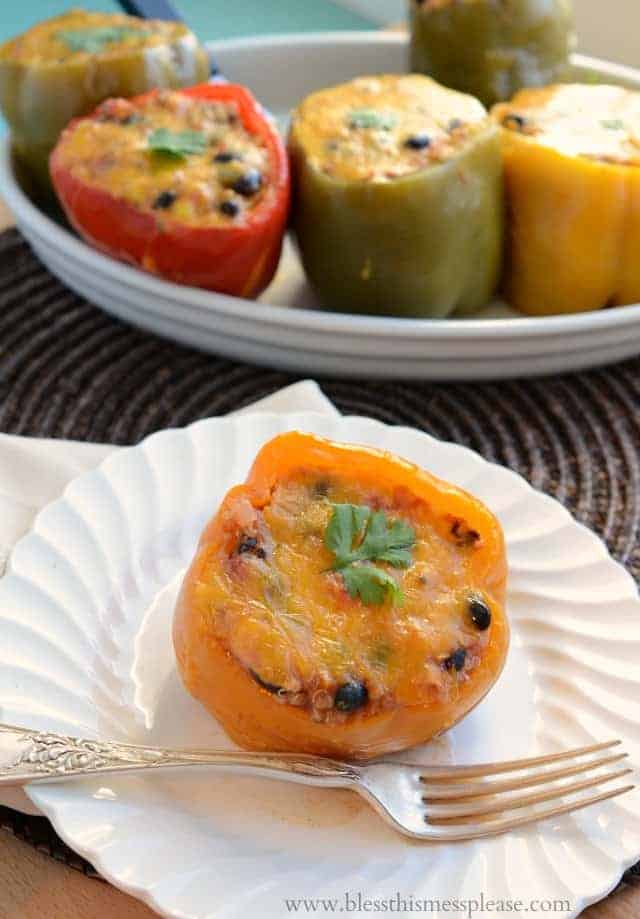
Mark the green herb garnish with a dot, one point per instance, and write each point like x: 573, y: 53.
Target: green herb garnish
x: 356, y: 533
x: 369, y: 118
x: 613, y: 124
x: 370, y: 583
x: 590, y: 76
x: 94, y: 40
x: 357, y: 537
x: 179, y: 144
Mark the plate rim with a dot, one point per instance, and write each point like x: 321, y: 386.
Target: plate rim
x: 300, y: 318
x: 49, y: 809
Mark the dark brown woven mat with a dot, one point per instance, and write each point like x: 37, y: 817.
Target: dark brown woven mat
x: 68, y: 370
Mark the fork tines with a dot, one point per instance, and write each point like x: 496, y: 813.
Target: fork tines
x: 452, y: 800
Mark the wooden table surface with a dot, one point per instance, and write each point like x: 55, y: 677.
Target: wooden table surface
x: 33, y: 885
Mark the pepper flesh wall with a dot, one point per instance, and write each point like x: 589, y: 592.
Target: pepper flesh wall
x: 398, y: 190
x: 492, y: 48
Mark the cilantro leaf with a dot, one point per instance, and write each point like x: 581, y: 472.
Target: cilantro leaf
x: 356, y: 534
x: 371, y: 119
x: 179, y: 144
x: 613, y: 124
x: 370, y: 583
x: 346, y: 525
x: 387, y: 543
x: 93, y: 40
x: 591, y: 76
x: 397, y: 556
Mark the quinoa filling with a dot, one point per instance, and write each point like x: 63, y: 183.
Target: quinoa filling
x: 385, y: 127
x: 601, y: 123
x: 397, y: 620
x: 77, y: 35
x: 185, y: 159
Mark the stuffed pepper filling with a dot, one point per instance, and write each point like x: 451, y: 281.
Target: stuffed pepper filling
x: 597, y: 122
x: 381, y: 128
x: 180, y: 157
x: 74, y: 37
x: 339, y: 598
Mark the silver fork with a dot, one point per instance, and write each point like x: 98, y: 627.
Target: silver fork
x: 425, y: 802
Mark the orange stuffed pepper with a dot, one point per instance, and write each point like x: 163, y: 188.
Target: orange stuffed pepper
x: 342, y: 602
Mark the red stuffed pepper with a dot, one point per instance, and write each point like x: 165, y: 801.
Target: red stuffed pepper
x: 192, y: 185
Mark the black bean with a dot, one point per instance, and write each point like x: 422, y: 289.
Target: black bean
x: 464, y: 535
x: 164, y: 200
x: 270, y: 687
x: 225, y: 156
x: 513, y: 121
x: 250, y: 544
x: 480, y: 613
x: 418, y: 142
x: 108, y: 117
x: 351, y: 696
x: 248, y: 184
x: 456, y: 660
x: 230, y: 208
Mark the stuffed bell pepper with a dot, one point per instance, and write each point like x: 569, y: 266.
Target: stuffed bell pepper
x: 65, y: 66
x: 572, y: 167
x: 398, y: 193
x: 342, y: 602
x: 192, y: 185
x: 491, y: 48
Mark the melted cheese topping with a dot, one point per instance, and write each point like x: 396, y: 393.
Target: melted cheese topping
x: 287, y: 618
x: 45, y: 44
x: 111, y: 151
x: 380, y: 128
x: 597, y: 122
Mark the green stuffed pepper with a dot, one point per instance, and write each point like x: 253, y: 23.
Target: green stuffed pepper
x: 492, y: 48
x: 397, y: 197
x: 64, y: 67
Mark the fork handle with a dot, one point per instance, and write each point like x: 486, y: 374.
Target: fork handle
x: 41, y: 756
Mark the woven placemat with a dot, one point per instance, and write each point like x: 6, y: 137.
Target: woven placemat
x: 68, y: 370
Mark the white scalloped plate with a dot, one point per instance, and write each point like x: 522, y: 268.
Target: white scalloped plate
x: 85, y: 618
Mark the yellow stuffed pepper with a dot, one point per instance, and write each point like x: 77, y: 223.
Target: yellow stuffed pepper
x: 572, y: 173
